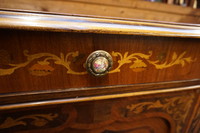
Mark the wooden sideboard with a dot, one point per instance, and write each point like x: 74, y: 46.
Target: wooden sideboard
x: 153, y: 86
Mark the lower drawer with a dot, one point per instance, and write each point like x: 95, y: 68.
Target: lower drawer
x: 175, y: 112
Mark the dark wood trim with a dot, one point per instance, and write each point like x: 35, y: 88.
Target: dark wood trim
x: 91, y: 91
x: 63, y: 23
x: 94, y: 98
x: 41, y: 98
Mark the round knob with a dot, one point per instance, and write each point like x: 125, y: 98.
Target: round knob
x: 99, y: 63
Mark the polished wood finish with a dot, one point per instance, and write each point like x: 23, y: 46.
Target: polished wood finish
x: 136, y: 9
x: 26, y: 78
x: 79, y: 97
x: 69, y: 23
x: 169, y: 112
x: 153, y: 87
x: 194, y: 127
x: 86, y: 93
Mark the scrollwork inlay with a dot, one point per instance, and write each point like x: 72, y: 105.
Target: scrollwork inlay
x: 177, y: 107
x: 37, y: 120
x: 139, y: 62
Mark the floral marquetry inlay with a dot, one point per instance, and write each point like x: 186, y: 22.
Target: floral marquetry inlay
x: 37, y: 120
x: 177, y: 107
x: 138, y: 61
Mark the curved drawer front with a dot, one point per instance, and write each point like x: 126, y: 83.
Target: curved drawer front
x: 32, y: 61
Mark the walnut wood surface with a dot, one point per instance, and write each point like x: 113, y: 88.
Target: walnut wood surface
x: 90, y: 98
x: 153, y: 86
x: 163, y: 113
x: 13, y: 44
x: 24, y: 97
x: 194, y: 126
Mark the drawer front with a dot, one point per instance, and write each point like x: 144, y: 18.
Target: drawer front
x: 157, y: 113
x: 32, y: 61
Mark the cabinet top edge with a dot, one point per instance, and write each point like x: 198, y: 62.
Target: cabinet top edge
x: 35, y: 21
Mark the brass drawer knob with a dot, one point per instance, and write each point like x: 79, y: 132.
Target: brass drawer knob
x: 99, y: 63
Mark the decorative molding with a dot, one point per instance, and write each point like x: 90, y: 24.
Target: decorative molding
x: 64, y: 23
x: 177, y: 107
x: 140, y: 60
x: 38, y: 120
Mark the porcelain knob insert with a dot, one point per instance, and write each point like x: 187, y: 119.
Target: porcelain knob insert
x: 99, y: 63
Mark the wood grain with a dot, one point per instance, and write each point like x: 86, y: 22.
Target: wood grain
x: 95, y: 98
x: 22, y: 79
x: 110, y: 8
x: 44, y: 86
x: 14, y: 98
x: 194, y: 125
x: 156, y: 113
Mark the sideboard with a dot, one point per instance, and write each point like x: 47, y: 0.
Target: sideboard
x: 152, y: 85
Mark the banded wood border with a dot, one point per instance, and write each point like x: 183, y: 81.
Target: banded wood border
x: 86, y: 24
x: 94, y: 98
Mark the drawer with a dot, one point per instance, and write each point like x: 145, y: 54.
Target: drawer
x: 33, y: 57
x: 158, y: 113
x: 33, y: 61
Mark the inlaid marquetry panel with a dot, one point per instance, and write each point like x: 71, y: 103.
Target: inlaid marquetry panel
x: 166, y: 113
x: 43, y: 68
